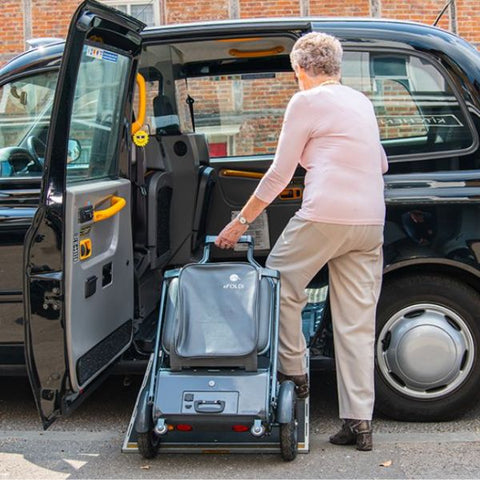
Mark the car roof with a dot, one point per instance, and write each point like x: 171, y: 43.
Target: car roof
x: 43, y: 57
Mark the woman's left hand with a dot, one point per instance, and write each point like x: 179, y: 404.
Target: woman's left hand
x: 229, y: 236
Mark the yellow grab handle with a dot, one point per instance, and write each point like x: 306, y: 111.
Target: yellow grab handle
x: 291, y: 193
x: 226, y: 172
x: 235, y: 52
x: 117, y: 204
x: 142, y: 104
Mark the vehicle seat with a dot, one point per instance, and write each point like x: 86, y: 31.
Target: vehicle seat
x: 165, y: 120
x: 182, y: 163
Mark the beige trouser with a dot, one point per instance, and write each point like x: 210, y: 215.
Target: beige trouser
x: 354, y: 256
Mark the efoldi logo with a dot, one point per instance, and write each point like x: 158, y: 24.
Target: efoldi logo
x: 234, y: 283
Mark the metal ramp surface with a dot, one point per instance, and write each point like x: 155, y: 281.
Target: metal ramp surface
x: 223, y: 442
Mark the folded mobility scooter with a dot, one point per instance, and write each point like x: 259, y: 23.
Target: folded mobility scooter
x: 211, y: 384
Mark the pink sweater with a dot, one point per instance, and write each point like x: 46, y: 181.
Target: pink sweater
x: 332, y: 132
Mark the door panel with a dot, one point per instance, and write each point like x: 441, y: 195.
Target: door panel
x: 232, y: 192
x: 18, y: 200
x: 99, y: 282
x: 79, y: 267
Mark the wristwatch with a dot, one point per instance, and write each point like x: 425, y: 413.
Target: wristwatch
x: 243, y: 220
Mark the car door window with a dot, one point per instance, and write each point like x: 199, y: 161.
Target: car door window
x: 25, y: 109
x: 416, y: 107
x: 96, y: 117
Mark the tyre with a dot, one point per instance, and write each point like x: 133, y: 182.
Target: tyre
x: 148, y: 444
x: 289, y: 437
x: 427, y: 348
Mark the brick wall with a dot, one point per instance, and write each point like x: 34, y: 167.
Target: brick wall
x: 183, y: 11
x: 352, y: 8
x: 12, y: 32
x: 25, y: 19
x: 269, y: 8
x: 468, y: 18
x: 50, y: 18
x: 424, y: 11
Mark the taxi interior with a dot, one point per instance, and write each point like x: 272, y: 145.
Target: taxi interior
x: 184, y: 191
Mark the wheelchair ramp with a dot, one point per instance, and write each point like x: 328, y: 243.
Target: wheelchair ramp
x: 206, y: 442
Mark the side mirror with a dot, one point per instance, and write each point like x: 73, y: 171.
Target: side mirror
x: 74, y: 150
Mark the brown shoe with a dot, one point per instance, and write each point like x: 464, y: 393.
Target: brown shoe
x: 354, y: 432
x: 300, y: 381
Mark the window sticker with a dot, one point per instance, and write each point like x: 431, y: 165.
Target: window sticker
x: 101, y: 54
x: 76, y: 248
x: 448, y: 120
x: 258, y: 230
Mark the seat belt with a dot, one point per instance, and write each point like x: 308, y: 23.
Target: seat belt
x: 190, y: 101
x: 140, y: 210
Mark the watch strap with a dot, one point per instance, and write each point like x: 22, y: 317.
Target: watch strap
x: 243, y: 220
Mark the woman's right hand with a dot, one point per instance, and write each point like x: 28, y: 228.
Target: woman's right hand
x: 230, y: 234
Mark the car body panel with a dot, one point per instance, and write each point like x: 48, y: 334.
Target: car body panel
x: 432, y: 197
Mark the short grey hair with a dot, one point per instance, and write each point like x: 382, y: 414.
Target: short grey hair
x: 317, y: 53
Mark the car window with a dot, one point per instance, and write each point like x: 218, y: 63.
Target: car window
x: 96, y: 116
x: 25, y: 108
x: 416, y: 108
x: 241, y: 115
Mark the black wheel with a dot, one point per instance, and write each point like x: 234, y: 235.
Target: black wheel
x: 427, y: 348
x: 148, y: 444
x: 289, y: 437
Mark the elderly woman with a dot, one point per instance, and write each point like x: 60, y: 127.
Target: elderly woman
x: 331, y: 131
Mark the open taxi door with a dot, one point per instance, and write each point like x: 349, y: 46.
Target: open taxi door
x: 78, y: 258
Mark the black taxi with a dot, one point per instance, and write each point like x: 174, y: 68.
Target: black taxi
x: 121, y: 148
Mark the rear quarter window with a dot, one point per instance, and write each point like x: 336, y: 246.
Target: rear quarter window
x: 416, y: 108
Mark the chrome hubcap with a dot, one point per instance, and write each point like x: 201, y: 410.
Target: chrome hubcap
x: 425, y: 351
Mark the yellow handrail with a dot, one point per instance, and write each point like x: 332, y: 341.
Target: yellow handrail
x: 226, y: 172
x: 117, y: 204
x: 142, y: 104
x: 235, y: 52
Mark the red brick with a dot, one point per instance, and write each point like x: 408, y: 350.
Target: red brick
x: 52, y: 17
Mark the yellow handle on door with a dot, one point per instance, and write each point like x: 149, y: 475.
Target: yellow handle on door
x: 142, y: 104
x: 117, y: 204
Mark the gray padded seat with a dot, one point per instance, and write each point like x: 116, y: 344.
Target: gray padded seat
x: 184, y: 159
x: 212, y: 322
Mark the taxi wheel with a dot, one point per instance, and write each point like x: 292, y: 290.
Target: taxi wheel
x: 427, y: 361
x: 148, y: 444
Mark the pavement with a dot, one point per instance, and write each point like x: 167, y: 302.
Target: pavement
x: 87, y: 444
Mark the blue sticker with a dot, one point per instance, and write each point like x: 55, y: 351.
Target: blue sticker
x: 101, y: 54
x: 109, y: 56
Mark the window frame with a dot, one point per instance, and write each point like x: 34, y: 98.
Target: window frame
x: 155, y: 3
x: 413, y: 157
x: 405, y: 157
x: 229, y: 138
x: 114, y: 168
